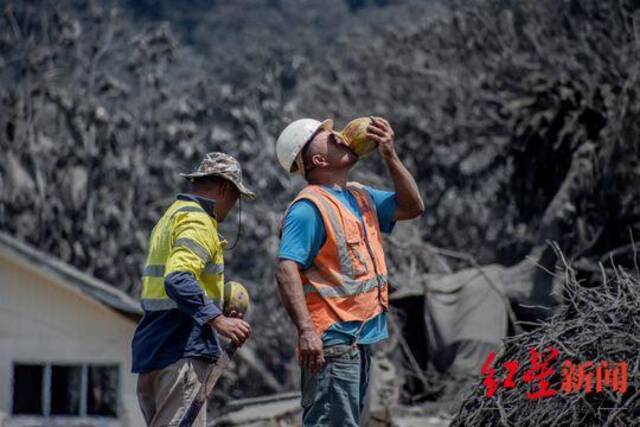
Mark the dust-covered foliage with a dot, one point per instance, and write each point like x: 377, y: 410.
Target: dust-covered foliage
x: 102, y: 108
x: 492, y: 104
x: 102, y: 105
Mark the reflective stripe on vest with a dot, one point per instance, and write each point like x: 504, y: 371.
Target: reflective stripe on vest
x: 194, y: 247
x: 357, y: 188
x: 209, y: 262
x: 348, y: 287
x: 189, y: 209
x: 158, y: 270
x: 346, y: 266
x: 159, y: 304
x: 347, y: 280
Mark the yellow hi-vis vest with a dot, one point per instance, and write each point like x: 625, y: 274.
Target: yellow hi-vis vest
x: 184, y: 240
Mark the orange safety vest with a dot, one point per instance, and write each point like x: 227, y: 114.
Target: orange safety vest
x: 347, y: 280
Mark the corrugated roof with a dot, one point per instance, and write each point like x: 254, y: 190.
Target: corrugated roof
x: 89, y: 285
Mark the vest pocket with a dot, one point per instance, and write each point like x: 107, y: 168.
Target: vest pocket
x: 355, y: 247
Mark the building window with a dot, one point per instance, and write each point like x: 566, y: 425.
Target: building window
x: 102, y: 391
x: 27, y: 389
x: 65, y: 390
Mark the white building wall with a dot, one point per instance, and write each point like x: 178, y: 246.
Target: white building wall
x: 44, y: 320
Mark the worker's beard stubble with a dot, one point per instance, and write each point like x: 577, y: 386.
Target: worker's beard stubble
x: 349, y: 159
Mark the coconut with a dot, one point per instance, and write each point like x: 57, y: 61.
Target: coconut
x: 355, y: 133
x: 236, y: 298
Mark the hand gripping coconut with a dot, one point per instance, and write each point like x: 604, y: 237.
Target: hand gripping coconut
x: 236, y: 299
x: 355, y: 134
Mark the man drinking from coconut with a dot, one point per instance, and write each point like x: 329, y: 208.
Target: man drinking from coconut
x: 331, y: 275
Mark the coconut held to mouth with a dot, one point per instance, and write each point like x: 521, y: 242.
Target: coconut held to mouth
x: 355, y: 134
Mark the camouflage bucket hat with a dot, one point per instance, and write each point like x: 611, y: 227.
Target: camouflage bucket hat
x: 223, y: 166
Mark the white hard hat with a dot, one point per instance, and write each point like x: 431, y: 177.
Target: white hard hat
x: 294, y: 137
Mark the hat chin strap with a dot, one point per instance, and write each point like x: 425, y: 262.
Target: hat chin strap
x: 239, y: 233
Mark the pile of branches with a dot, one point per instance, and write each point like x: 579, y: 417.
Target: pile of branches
x: 597, y: 324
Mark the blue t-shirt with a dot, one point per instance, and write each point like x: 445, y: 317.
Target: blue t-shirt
x: 303, y: 234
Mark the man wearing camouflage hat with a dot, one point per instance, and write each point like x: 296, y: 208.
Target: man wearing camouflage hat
x: 182, y: 292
